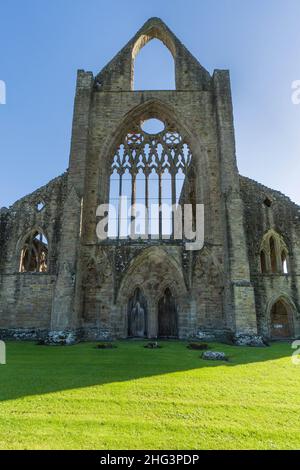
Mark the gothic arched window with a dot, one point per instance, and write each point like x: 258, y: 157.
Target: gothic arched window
x: 34, y: 253
x: 146, y: 180
x: 273, y: 254
x: 154, y: 57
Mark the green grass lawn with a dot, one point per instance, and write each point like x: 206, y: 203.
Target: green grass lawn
x: 79, y: 397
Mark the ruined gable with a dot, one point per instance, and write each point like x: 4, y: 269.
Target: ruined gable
x: 57, y: 278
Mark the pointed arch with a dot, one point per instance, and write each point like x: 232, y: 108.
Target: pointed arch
x: 274, y: 255
x: 118, y: 73
x: 156, y: 32
x: 172, y: 148
x: 158, y: 109
x: 153, y: 68
x: 33, y: 252
x: 126, y: 148
x: 155, y: 270
x: 281, y: 312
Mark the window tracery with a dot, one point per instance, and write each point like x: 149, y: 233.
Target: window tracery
x: 34, y: 254
x: 273, y: 254
x: 148, y: 169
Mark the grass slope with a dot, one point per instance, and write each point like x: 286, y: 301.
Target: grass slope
x: 79, y: 397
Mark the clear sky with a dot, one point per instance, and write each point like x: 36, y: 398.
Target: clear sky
x: 44, y: 42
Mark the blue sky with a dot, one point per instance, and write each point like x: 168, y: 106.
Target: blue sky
x: 44, y: 42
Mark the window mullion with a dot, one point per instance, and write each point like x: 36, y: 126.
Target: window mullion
x: 119, y: 205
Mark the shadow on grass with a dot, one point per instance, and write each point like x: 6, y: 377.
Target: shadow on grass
x: 33, y: 369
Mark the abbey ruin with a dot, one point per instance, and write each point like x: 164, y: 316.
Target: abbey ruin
x: 57, y: 277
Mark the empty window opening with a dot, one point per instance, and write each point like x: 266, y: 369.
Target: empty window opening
x: 154, y: 68
x: 267, y: 202
x: 284, y: 263
x: 180, y: 178
x: 125, y: 202
x: 152, y: 126
x: 40, y: 206
x: 274, y: 257
x: 34, y: 254
x: 114, y: 195
x: 146, y: 182
x: 153, y: 205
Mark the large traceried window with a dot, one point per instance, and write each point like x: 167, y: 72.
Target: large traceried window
x: 147, y: 176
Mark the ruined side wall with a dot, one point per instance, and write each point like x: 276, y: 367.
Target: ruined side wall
x: 284, y: 217
x: 26, y: 298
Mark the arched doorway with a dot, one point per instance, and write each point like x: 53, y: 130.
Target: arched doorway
x: 137, y: 315
x: 281, y: 320
x: 152, y: 268
x: 167, y: 316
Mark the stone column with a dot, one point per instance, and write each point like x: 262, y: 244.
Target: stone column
x: 239, y: 294
x: 63, y: 307
x: 66, y: 304
x: 80, y: 128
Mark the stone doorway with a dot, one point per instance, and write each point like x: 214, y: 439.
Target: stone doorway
x: 167, y: 316
x: 281, y: 320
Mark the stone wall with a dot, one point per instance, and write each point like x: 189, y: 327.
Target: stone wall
x: 267, y: 209
x: 26, y: 298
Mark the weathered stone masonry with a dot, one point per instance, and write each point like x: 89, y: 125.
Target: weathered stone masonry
x: 245, y: 280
